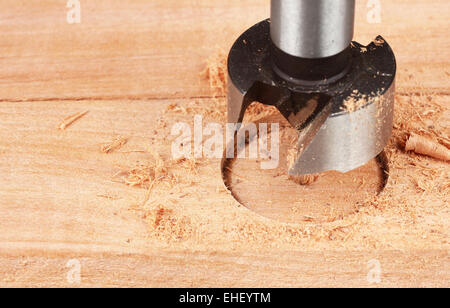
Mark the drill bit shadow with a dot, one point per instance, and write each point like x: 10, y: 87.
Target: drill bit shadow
x: 383, y: 163
x: 228, y: 163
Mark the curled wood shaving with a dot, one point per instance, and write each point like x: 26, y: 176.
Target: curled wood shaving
x: 425, y: 146
x: 71, y: 119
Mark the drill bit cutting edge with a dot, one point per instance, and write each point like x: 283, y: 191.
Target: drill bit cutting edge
x: 338, y: 94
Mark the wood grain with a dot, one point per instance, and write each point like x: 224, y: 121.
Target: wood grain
x: 126, y: 63
x: 155, y: 49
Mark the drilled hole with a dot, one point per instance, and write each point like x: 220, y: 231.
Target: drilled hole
x: 272, y: 194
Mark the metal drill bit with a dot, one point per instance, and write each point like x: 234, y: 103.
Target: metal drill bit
x: 305, y: 64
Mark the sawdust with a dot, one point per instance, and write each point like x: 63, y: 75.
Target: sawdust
x: 165, y: 224
x: 68, y: 121
x: 353, y: 103
x: 216, y: 73
x: 358, y: 100
x: 257, y: 111
x: 189, y: 204
x: 155, y: 171
x: 158, y: 177
x: 379, y: 41
x: 292, y: 155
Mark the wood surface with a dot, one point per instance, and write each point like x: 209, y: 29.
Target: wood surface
x: 126, y: 63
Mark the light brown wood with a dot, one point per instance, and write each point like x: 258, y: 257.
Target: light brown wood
x: 126, y: 63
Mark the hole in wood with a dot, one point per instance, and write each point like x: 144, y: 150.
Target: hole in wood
x: 272, y: 194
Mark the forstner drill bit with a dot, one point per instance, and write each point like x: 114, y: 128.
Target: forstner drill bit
x: 338, y: 94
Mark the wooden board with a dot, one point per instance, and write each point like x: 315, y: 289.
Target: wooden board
x: 127, y: 63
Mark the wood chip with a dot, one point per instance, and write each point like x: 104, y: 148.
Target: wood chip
x: 71, y: 119
x: 116, y: 144
x: 379, y: 41
x: 304, y: 179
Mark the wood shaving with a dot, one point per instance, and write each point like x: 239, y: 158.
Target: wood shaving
x: 71, y: 119
x: 425, y: 146
x: 116, y: 144
x: 109, y: 197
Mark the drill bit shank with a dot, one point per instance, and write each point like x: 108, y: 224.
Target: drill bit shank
x: 312, y: 28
